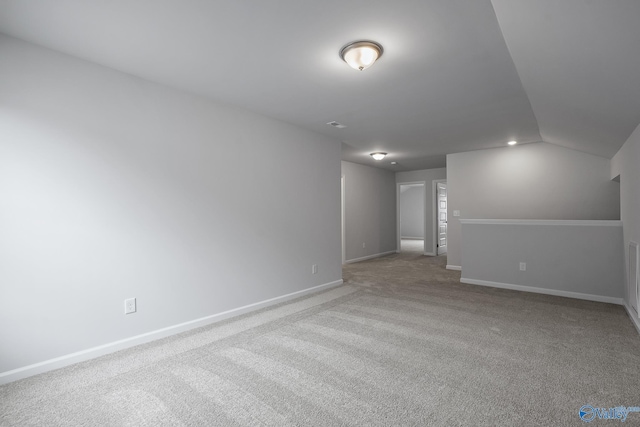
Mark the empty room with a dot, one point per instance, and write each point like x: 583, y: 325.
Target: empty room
x: 286, y: 213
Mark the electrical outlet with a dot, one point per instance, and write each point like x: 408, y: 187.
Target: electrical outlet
x: 523, y: 266
x: 129, y: 306
x: 363, y: 245
x: 314, y: 269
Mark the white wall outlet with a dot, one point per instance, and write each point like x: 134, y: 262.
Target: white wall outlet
x: 523, y: 266
x: 129, y: 306
x: 456, y: 213
x: 364, y: 245
x: 314, y: 269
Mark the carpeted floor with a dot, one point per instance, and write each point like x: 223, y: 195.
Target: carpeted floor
x: 401, y: 343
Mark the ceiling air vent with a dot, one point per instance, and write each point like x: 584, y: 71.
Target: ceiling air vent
x: 337, y: 125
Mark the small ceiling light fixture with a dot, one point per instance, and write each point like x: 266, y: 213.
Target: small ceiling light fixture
x: 361, y: 54
x: 394, y: 163
x: 512, y: 142
x: 378, y: 155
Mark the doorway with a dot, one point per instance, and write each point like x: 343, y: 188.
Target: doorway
x: 411, y: 217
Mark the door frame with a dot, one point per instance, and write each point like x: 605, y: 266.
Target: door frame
x: 342, y: 215
x: 434, y: 225
x: 634, y: 282
x: 424, y: 214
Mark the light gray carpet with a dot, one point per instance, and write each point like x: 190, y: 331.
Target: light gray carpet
x: 402, y: 343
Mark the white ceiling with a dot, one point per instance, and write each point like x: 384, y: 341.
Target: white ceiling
x: 456, y: 75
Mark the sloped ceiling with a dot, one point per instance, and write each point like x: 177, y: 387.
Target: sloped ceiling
x: 455, y: 75
x: 579, y: 63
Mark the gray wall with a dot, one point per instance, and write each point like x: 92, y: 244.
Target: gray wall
x: 370, y: 211
x: 531, y: 181
x: 412, y: 211
x: 625, y: 164
x: 428, y: 176
x: 581, y: 259
x: 114, y: 187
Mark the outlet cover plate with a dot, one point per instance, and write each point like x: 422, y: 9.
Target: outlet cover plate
x: 129, y: 306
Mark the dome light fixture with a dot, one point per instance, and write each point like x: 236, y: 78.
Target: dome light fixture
x: 514, y: 142
x: 378, y: 155
x: 361, y: 54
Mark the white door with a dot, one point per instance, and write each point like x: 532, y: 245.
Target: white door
x: 441, y: 199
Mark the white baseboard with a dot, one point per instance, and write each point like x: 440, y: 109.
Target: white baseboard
x: 454, y: 267
x: 412, y: 238
x: 632, y: 316
x: 92, y: 353
x: 364, y: 258
x: 568, y: 294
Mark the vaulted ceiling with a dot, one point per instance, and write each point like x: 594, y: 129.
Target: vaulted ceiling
x: 456, y: 75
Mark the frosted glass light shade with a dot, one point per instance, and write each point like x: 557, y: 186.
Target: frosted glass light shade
x: 361, y: 55
x: 378, y: 155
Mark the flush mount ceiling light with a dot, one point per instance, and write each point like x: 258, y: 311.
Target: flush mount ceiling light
x: 512, y: 142
x: 361, y: 54
x: 378, y: 155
